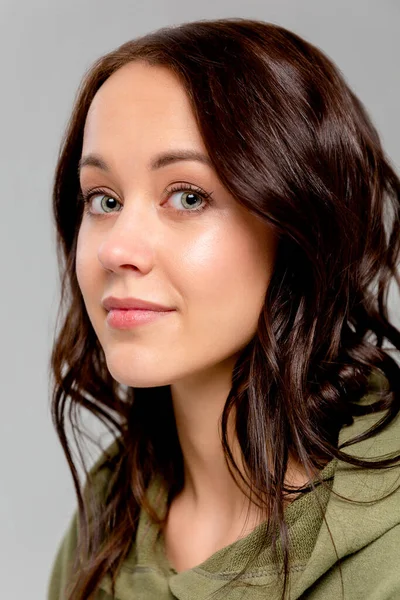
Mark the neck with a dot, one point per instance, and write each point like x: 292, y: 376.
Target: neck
x: 209, y: 488
x: 198, y: 406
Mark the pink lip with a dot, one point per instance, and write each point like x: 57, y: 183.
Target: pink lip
x: 128, y: 318
x: 111, y: 302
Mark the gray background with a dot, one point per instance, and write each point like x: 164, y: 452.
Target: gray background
x: 45, y: 47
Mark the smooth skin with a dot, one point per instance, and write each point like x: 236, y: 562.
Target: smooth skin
x: 212, y: 267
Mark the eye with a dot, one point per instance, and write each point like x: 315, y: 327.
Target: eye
x: 192, y: 200
x: 189, y: 198
x: 107, y: 202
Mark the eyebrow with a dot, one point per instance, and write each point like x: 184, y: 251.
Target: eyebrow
x: 159, y: 161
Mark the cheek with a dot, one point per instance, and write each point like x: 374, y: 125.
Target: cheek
x: 227, y: 274
x: 85, y: 266
x: 225, y: 260
x: 80, y: 262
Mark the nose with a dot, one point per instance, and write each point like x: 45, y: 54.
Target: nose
x: 128, y: 242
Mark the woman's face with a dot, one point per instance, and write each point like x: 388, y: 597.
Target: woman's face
x: 143, y: 240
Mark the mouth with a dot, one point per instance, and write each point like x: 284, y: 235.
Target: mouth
x: 112, y: 302
x: 127, y: 318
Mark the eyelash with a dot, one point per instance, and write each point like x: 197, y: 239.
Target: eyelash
x: 184, y: 187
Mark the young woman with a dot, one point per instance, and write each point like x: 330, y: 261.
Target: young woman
x: 228, y: 227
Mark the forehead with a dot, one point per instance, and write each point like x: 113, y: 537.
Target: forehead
x: 140, y: 105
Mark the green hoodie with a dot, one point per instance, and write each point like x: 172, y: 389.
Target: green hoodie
x: 366, y: 537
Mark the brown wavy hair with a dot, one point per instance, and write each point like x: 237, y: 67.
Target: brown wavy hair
x: 293, y: 144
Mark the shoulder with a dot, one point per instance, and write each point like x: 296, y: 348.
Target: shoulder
x: 360, y: 535
x: 67, y: 549
x: 63, y: 562
x: 366, y: 501
x: 372, y: 572
x: 381, y: 444
x: 101, y: 471
x: 376, y: 566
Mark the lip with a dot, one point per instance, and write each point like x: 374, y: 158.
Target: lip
x: 118, y: 318
x: 112, y: 302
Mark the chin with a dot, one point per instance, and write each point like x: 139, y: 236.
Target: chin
x: 142, y: 376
